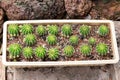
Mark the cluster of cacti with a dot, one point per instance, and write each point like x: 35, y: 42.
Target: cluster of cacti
x: 31, y: 35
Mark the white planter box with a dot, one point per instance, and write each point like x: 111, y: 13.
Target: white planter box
x: 63, y: 63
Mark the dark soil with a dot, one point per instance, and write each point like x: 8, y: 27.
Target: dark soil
x: 63, y: 41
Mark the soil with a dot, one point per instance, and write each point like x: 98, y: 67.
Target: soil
x: 62, y: 41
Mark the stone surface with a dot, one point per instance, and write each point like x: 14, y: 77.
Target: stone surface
x: 77, y: 8
x: 2, y: 70
x: 35, y: 9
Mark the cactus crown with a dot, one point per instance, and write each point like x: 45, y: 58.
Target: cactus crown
x: 40, y: 30
x: 53, y: 29
x: 66, y: 29
x: 30, y: 39
x: 68, y: 50
x: 85, y: 49
x: 14, y: 50
x: 103, y: 30
x: 92, y: 41
x: 102, y: 49
x: 27, y: 29
x: 13, y: 29
x: 40, y: 52
x: 53, y: 53
x: 74, y: 40
x: 84, y: 30
x: 52, y: 39
x: 27, y: 52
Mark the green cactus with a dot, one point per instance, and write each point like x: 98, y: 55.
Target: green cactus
x: 40, y: 30
x: 14, y: 50
x: 28, y: 52
x: 85, y: 49
x: 53, y: 29
x: 51, y: 39
x: 27, y: 29
x: 74, y: 40
x: 92, y: 41
x: 84, y: 30
x: 13, y: 29
x: 68, y: 50
x: 66, y: 29
x: 103, y: 30
x: 53, y: 53
x: 102, y: 49
x: 30, y: 39
x: 40, y: 52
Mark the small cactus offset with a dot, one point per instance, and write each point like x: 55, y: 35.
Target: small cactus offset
x: 85, y: 49
x: 51, y: 39
x: 13, y: 29
x: 27, y: 29
x: 30, y: 39
x: 68, y: 50
x: 53, y: 29
x: 28, y: 52
x: 74, y: 40
x: 103, y: 30
x: 40, y: 30
x: 66, y: 29
x: 53, y: 53
x: 84, y: 30
x: 40, y: 52
x: 102, y: 49
x: 92, y: 41
x: 14, y: 50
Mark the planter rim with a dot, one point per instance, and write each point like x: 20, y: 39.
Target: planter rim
x: 62, y: 63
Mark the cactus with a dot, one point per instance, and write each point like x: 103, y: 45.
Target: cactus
x: 85, y: 49
x: 27, y: 52
x: 53, y: 29
x: 29, y: 39
x: 13, y: 29
x: 40, y: 52
x: 103, y: 30
x: 40, y: 30
x: 68, y: 50
x: 84, y: 30
x: 102, y: 49
x: 53, y: 53
x: 66, y: 29
x: 14, y: 50
x: 51, y: 39
x: 27, y: 29
x: 74, y: 40
x: 92, y: 41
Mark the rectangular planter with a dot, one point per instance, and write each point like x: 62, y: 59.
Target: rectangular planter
x: 114, y: 48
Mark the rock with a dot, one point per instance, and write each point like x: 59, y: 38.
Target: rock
x: 78, y: 8
x: 1, y: 19
x: 35, y: 9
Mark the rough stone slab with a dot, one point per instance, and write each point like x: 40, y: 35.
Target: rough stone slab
x: 117, y: 66
x: 2, y: 70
